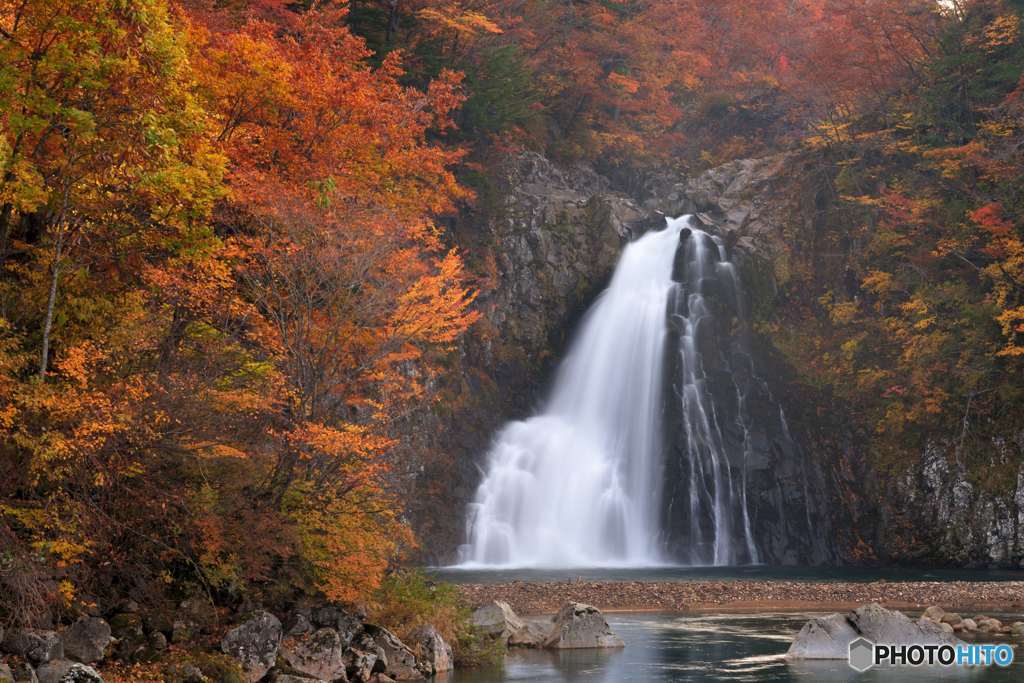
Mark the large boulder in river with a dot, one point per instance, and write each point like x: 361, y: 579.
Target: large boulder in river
x: 830, y: 637
x: 533, y: 633
x: 254, y: 644
x: 86, y: 640
x: 498, y: 620
x: 578, y: 626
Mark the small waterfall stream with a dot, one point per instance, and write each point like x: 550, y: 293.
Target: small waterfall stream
x: 719, y: 516
x: 641, y: 455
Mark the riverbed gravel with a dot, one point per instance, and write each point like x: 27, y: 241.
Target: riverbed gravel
x: 544, y: 597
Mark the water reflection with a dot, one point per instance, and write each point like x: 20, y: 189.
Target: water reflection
x: 708, y: 648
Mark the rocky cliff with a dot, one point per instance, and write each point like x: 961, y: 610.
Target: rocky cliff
x: 933, y: 509
x: 549, y: 238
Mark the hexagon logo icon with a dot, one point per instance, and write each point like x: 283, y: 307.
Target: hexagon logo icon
x: 862, y: 654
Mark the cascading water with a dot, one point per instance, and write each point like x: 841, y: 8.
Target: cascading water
x: 660, y: 442
x: 579, y: 485
x: 706, y: 296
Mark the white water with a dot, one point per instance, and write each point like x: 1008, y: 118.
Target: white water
x: 578, y: 485
x: 713, y: 481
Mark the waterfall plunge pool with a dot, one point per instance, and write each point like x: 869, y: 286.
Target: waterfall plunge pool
x: 665, y: 647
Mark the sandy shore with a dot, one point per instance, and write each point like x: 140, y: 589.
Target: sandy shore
x: 529, y: 597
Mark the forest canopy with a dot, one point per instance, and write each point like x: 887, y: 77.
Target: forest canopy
x: 227, y: 271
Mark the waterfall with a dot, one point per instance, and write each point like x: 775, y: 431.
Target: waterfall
x: 633, y: 428
x: 705, y: 299
x: 579, y: 484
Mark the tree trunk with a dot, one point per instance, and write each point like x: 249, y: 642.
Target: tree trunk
x: 392, y: 22
x: 51, y: 303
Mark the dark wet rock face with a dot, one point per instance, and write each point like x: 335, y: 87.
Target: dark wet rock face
x: 738, y: 488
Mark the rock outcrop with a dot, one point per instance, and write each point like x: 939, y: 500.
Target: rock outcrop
x: 546, y: 240
x: 254, y: 644
x: 433, y: 654
x: 319, y: 655
x: 578, y: 626
x: 575, y: 627
x: 87, y: 640
x: 830, y: 637
x: 64, y: 671
x: 36, y: 645
x: 399, y: 661
x: 497, y: 620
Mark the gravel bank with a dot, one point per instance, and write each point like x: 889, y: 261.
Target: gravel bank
x: 528, y: 597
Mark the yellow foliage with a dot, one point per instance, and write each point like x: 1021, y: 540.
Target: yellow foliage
x: 1004, y: 30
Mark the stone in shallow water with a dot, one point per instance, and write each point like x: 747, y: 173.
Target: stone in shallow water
x: 498, y: 620
x: 578, y: 626
x: 533, y: 633
x: 830, y: 637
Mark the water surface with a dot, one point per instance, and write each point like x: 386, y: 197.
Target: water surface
x: 708, y: 648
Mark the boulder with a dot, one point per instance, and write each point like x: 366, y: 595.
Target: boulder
x: 989, y: 626
x: 346, y: 623
x: 254, y: 644
x: 830, y: 637
x: 86, y: 640
x: 66, y: 671
x: 127, y: 628
x: 1017, y: 628
x: 289, y: 676
x: 126, y: 625
x: 299, y: 623
x: 951, y: 618
x: 969, y: 625
x: 320, y: 655
x: 533, y: 633
x: 157, y: 641
x: 433, y: 654
x: 579, y: 626
x: 24, y: 673
x: 181, y: 634
x: 934, y: 613
x: 185, y: 672
x: 197, y: 613
x: 400, y: 661
x: 826, y: 637
x: 360, y: 663
x: 36, y: 645
x: 496, y: 619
